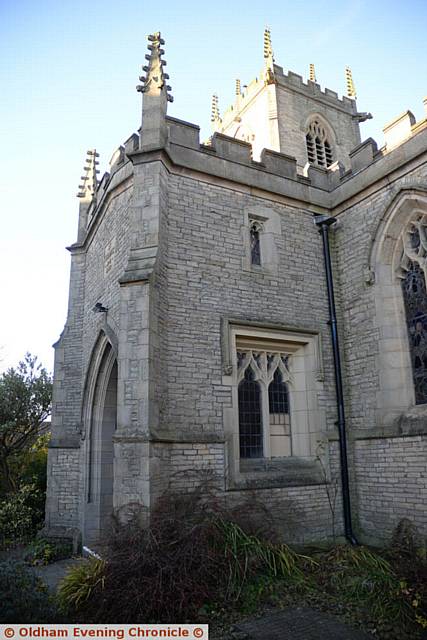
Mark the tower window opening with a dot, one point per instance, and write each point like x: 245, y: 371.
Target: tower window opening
x: 319, y: 149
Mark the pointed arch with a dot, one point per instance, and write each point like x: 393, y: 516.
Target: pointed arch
x: 316, y: 115
x: 320, y: 140
x: 99, y: 419
x: 390, y: 260
x: 401, y: 203
x: 106, y: 339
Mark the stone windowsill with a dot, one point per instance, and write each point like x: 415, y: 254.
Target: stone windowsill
x: 278, y: 472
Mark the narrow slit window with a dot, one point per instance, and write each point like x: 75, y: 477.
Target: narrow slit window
x: 255, y: 229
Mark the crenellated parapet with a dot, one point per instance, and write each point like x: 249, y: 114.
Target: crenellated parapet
x: 231, y: 159
x: 279, y: 165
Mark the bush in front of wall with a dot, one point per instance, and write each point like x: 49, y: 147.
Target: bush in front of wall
x: 23, y: 596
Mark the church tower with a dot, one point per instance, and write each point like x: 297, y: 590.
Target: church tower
x: 281, y: 112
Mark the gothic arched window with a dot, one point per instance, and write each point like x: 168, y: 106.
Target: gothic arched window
x: 250, y: 420
x: 415, y: 298
x: 319, y: 149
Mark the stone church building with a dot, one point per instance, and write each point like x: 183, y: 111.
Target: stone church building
x: 207, y: 337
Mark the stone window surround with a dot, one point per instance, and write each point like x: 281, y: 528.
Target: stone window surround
x: 307, y: 419
x: 269, y: 229
x: 396, y: 396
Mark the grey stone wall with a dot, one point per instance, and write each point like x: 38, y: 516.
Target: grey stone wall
x: 203, y: 281
x: 391, y: 482
x: 206, y: 282
x: 167, y: 253
x: 388, y: 474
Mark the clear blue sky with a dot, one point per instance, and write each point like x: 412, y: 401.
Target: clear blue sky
x: 68, y: 72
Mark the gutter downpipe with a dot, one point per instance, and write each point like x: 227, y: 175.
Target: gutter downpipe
x: 323, y: 223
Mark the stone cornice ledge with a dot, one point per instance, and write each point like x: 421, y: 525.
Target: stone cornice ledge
x: 65, y: 442
x: 254, y: 175
x: 170, y: 437
x: 406, y: 426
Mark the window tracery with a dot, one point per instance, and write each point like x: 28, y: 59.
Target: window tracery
x: 413, y: 266
x: 319, y: 149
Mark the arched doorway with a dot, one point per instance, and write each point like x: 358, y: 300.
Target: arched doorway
x: 101, y: 417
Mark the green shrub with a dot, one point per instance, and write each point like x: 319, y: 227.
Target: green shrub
x: 43, y: 552
x: 23, y: 597
x: 77, y: 586
x: 247, y: 555
x: 20, y: 515
x: 366, y: 580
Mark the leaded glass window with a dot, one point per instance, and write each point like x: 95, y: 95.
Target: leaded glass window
x: 250, y: 417
x: 264, y: 417
x: 280, y: 427
x: 415, y: 298
x: 278, y: 395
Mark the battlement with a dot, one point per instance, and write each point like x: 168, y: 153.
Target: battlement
x: 291, y: 81
x: 295, y: 82
x: 230, y: 158
x: 251, y: 151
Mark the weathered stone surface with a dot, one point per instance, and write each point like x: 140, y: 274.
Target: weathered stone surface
x: 164, y: 250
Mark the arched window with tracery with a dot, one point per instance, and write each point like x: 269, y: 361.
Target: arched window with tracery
x: 415, y: 300
x: 319, y: 148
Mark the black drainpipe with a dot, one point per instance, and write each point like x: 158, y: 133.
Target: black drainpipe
x: 324, y: 222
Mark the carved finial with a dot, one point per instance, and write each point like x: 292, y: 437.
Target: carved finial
x: 268, y: 73
x: 268, y: 49
x: 87, y: 190
x: 215, y: 117
x: 238, y: 88
x: 351, y: 89
x: 154, y: 80
x: 312, y: 73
